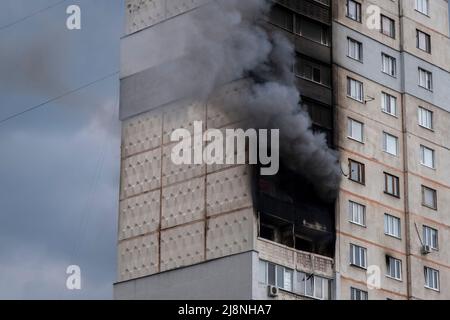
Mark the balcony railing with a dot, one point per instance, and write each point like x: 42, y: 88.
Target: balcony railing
x: 298, y: 260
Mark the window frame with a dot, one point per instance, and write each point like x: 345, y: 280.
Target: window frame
x: 423, y: 150
x: 386, y: 136
x: 277, y: 268
x: 421, y: 111
x: 435, y: 272
x: 429, y: 79
x: 427, y: 233
x: 362, y: 293
x: 388, y: 98
x: 302, y: 289
x: 424, y: 204
x: 395, y: 187
x: 361, y: 171
x: 359, y: 47
x: 298, y: 29
x: 350, y: 127
x: 388, y: 219
x: 361, y: 213
x: 427, y: 36
x: 416, y: 7
x: 397, y: 268
x: 360, y: 86
x: 358, y: 8
x: 392, y: 65
x: 362, y: 257
x: 392, y: 30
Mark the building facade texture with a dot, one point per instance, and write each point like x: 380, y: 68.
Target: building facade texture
x: 374, y: 76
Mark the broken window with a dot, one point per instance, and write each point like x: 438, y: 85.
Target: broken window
x: 292, y: 214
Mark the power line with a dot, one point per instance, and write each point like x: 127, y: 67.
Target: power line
x: 31, y: 15
x: 57, y: 98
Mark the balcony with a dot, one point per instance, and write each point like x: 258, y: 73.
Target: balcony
x: 295, y: 259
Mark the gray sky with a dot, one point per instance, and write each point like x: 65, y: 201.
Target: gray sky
x: 59, y: 164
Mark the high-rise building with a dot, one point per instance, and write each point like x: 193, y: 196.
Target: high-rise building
x: 391, y: 67
x: 373, y: 77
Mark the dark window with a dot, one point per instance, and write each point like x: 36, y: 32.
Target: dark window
x: 282, y: 17
x: 271, y: 269
x: 321, y: 117
x: 392, y: 185
x: 312, y: 30
x: 313, y: 71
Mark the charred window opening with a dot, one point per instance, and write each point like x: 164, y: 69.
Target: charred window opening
x: 321, y: 117
x: 292, y: 213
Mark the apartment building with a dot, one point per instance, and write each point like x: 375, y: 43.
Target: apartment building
x: 215, y: 231
x: 224, y: 232
x: 392, y: 107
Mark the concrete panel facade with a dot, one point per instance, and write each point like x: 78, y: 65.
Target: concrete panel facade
x: 407, y: 166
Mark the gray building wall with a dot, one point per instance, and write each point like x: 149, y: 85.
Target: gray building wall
x: 229, y: 278
x: 372, y: 49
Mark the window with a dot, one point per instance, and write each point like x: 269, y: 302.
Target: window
x: 422, y: 6
x: 321, y: 117
x: 357, y: 294
x: 425, y: 118
x: 354, y: 10
x: 312, y: 30
x: 390, y: 144
x: 387, y: 26
x: 290, y: 21
x: 423, y: 41
x: 356, y: 171
x: 357, y: 213
x: 355, y: 89
x: 388, y: 65
x: 430, y: 237
x: 358, y: 256
x: 312, y: 286
x: 425, y: 79
x: 427, y: 157
x: 431, y: 278
x: 355, y: 130
x: 388, y: 104
x: 394, y: 268
x: 429, y: 198
x: 275, y: 275
x: 355, y: 49
x: 392, y: 185
x: 282, y: 17
x: 313, y: 71
x: 392, y: 226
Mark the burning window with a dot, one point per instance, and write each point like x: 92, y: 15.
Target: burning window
x: 292, y: 213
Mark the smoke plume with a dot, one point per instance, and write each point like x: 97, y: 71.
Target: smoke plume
x: 227, y: 40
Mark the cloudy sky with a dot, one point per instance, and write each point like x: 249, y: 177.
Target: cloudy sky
x: 59, y: 161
